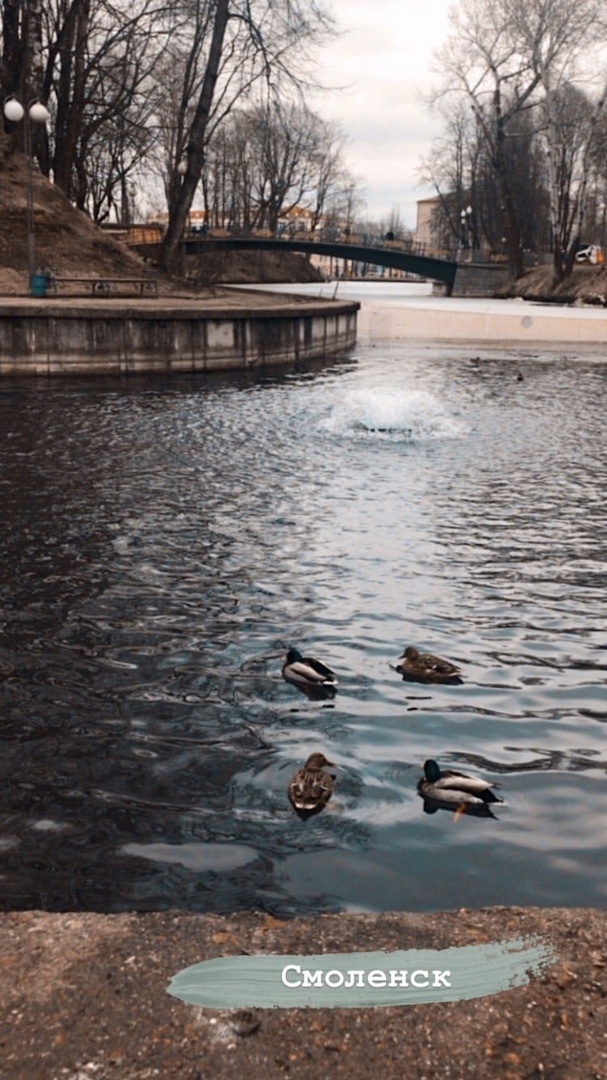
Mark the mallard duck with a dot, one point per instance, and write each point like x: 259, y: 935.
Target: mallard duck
x: 426, y: 668
x: 310, y: 788
x: 455, y: 790
x: 305, y: 671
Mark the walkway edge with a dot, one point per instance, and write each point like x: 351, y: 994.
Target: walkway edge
x: 86, y: 995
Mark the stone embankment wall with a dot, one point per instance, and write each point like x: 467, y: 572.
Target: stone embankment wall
x: 481, y: 279
x: 51, y: 338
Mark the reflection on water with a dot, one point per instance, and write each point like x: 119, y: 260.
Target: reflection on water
x: 165, y: 542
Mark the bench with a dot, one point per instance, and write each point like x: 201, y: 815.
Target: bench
x: 105, y: 286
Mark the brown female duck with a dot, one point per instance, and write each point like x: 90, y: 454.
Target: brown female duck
x: 310, y: 788
x: 426, y: 668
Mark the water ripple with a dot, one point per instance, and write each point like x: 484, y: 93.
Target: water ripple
x: 165, y: 542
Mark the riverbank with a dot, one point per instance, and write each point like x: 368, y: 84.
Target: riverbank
x: 585, y: 285
x: 85, y: 995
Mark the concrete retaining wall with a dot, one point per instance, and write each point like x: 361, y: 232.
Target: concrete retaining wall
x: 496, y: 323
x: 97, y: 337
x: 480, y: 279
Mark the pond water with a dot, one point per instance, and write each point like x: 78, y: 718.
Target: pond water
x: 165, y: 541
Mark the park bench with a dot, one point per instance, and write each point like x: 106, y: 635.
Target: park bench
x: 104, y: 286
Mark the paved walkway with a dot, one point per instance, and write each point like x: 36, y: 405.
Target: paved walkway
x: 213, y: 303
x: 84, y: 997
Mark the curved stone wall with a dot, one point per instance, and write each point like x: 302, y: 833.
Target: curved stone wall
x: 65, y: 337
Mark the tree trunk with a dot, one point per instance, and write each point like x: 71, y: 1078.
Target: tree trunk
x: 71, y: 94
x: 22, y: 70
x: 13, y: 51
x: 179, y: 210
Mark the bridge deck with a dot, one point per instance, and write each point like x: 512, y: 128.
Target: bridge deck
x: 425, y: 266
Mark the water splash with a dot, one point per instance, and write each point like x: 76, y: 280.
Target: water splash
x: 409, y: 415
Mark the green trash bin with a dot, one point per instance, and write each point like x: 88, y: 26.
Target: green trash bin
x: 38, y: 284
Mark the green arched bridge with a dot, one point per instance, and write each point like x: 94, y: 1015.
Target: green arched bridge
x: 436, y: 269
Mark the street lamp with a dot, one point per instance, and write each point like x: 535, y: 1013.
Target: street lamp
x: 36, y: 113
x: 465, y: 216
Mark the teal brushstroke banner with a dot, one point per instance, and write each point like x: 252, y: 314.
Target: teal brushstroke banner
x: 342, y: 980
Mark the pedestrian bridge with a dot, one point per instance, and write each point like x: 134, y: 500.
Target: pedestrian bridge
x: 436, y: 269
x: 394, y: 258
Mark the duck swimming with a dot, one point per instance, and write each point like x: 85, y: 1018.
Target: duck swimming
x: 426, y: 668
x: 456, y: 791
x: 307, y: 672
x: 310, y: 788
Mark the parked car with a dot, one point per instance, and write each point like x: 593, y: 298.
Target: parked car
x: 590, y: 253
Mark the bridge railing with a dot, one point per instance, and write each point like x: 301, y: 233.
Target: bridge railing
x: 152, y: 233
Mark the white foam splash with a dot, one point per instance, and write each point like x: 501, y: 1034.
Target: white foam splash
x: 412, y: 415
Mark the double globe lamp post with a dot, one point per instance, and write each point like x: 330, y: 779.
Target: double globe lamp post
x: 466, y: 220
x: 36, y: 113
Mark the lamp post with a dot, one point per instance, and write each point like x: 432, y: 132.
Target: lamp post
x: 182, y: 169
x: 36, y: 113
x: 465, y: 218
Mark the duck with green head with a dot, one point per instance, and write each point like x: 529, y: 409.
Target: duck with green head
x: 456, y: 791
x: 307, y: 672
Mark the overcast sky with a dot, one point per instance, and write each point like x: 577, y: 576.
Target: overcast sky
x: 384, y: 57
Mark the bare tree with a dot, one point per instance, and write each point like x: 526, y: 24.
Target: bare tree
x: 507, y: 57
x: 22, y: 62
x: 393, y: 227
x: 460, y: 167
x: 561, y: 38
x: 596, y: 203
x: 267, y: 164
x: 22, y: 51
x: 331, y: 176
x: 246, y: 41
x: 99, y: 60
x: 449, y: 169
x: 481, y: 61
x: 286, y: 142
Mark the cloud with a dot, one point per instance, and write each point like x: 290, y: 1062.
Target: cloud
x: 383, y: 60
